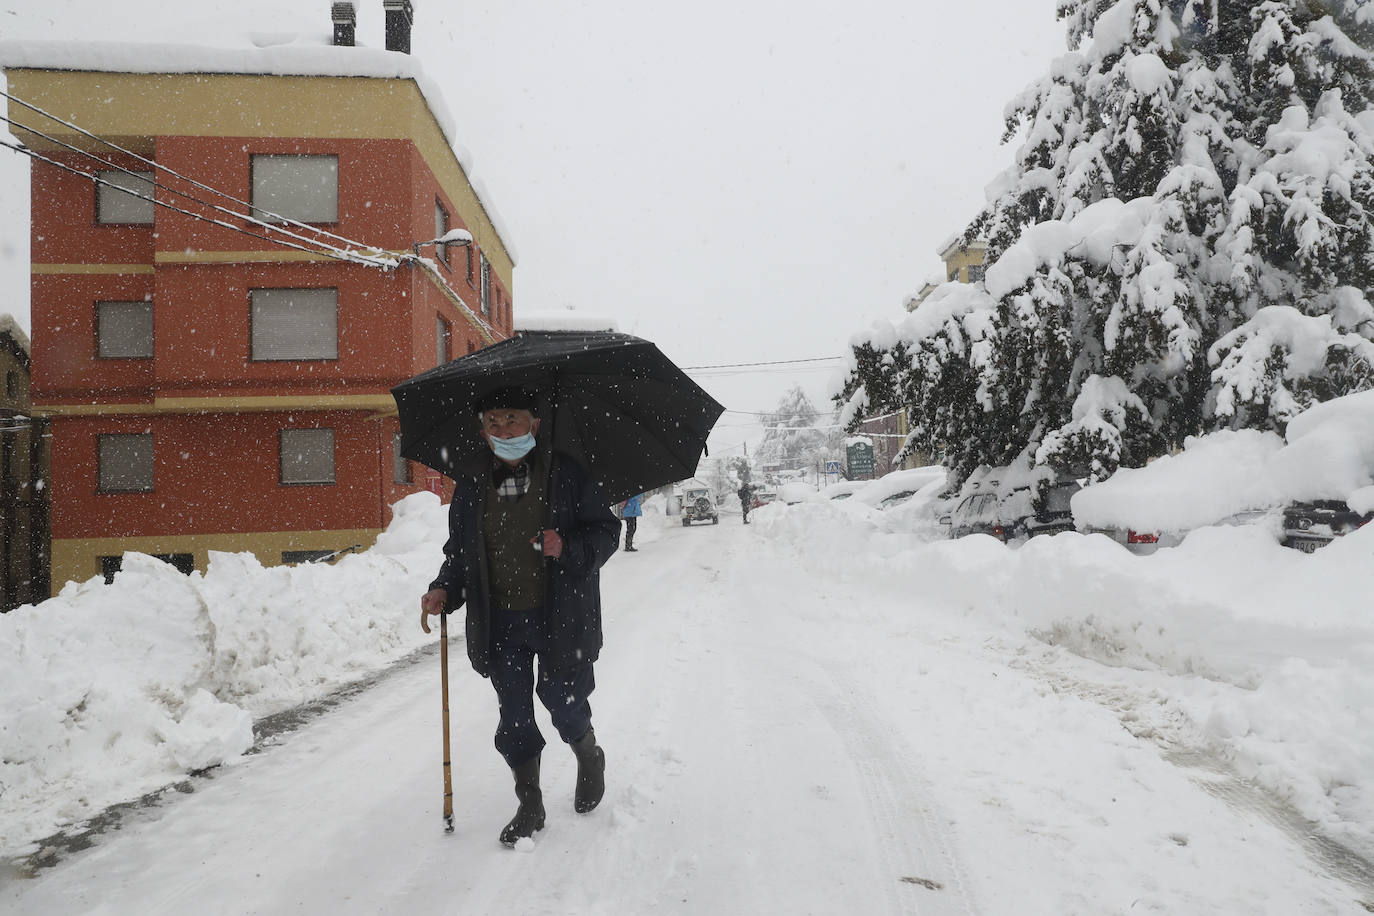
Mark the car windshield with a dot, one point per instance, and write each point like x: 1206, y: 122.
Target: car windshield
x: 984, y: 508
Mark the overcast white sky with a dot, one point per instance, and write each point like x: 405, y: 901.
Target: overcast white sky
x: 739, y: 181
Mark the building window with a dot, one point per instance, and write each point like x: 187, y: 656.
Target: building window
x: 486, y: 286
x: 440, y: 229
x: 12, y: 385
x: 400, y: 467
x: 7, y: 468
x: 118, y: 204
x: 443, y: 341
x: 975, y: 273
x: 124, y: 330
x: 184, y: 563
x: 292, y: 324
x: 295, y: 187
x: 292, y: 557
x: 954, y: 275
x: 125, y: 462
x: 307, y: 456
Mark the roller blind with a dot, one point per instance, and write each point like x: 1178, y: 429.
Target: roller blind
x: 113, y: 205
x: 302, y: 188
x: 124, y: 330
x: 307, y: 456
x: 125, y: 462
x: 295, y: 324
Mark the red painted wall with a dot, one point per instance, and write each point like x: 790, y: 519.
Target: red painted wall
x: 218, y: 473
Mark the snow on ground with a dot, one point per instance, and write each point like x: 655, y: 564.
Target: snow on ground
x: 830, y: 710
x: 110, y: 691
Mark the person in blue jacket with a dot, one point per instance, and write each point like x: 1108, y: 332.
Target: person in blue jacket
x: 532, y: 593
x: 630, y: 511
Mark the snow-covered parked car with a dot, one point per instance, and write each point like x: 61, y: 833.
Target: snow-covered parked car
x: 796, y: 491
x: 1219, y: 478
x: 1315, y: 487
x: 841, y: 489
x: 1325, y: 474
x: 897, y: 487
x: 1013, y: 503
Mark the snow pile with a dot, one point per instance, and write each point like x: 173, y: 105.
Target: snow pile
x: 1214, y: 651
x: 1215, y: 476
x: 1233, y: 658
x: 1329, y: 455
x: 1330, y: 451
x: 111, y: 691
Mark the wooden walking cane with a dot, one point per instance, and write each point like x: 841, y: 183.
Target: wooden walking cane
x: 443, y: 687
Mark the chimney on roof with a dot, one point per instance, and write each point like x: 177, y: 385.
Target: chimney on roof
x: 345, y: 17
x: 399, y: 16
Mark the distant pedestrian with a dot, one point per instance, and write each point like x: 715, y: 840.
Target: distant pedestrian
x: 630, y: 511
x: 746, y: 497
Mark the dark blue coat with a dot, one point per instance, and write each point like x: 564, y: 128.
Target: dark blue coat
x: 582, y: 517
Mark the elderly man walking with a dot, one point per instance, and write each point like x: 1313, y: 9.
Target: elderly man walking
x: 532, y: 593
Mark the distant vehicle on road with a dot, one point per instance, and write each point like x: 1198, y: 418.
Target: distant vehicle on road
x: 698, y: 506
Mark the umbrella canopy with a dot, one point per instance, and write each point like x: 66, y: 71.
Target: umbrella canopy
x: 617, y: 406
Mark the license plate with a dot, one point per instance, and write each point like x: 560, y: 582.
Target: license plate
x: 1306, y: 545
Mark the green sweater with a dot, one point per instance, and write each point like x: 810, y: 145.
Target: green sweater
x: 515, y: 568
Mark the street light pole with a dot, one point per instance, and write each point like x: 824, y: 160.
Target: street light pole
x: 459, y: 237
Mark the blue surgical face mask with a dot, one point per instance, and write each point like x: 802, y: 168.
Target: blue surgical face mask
x: 512, y: 449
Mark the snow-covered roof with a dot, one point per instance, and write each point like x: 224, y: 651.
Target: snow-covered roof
x: 273, y: 55
x: 10, y: 328
x: 565, y: 320
x: 954, y: 243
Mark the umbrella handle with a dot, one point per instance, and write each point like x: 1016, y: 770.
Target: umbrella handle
x: 424, y: 620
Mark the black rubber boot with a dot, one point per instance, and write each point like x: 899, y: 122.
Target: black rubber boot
x: 591, y: 773
x: 529, y: 817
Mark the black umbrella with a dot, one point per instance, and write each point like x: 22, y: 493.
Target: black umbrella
x: 617, y: 406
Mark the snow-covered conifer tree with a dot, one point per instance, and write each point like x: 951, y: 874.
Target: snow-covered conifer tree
x: 791, y: 437
x: 1184, y: 242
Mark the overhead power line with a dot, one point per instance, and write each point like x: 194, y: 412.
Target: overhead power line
x: 327, y: 252
x: 115, y: 146
x: 776, y: 362
x: 191, y: 197
x: 317, y: 246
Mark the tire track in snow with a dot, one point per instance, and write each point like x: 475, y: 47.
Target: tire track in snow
x: 928, y: 875
x: 1151, y: 718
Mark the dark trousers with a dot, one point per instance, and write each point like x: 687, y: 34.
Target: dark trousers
x: 631, y: 522
x: 517, y: 640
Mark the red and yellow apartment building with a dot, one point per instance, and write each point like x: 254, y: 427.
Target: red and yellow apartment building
x: 207, y: 389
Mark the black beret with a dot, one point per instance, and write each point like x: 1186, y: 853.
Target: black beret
x: 509, y: 398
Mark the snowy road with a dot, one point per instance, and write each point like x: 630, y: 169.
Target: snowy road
x: 777, y: 742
